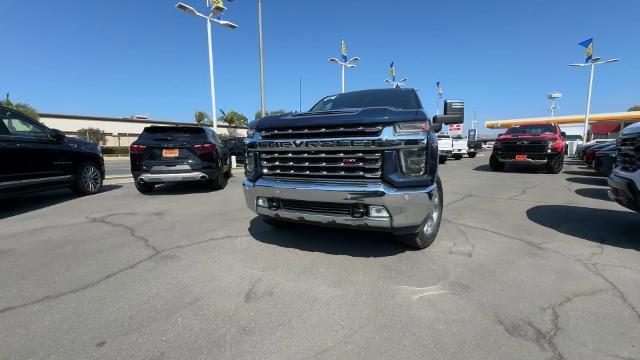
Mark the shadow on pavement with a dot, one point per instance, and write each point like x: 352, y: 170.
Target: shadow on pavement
x: 182, y: 188
x: 366, y: 244
x: 595, y: 181
x: 590, y: 172
x: 594, y: 193
x: 26, y: 203
x: 531, y: 169
x: 610, y: 227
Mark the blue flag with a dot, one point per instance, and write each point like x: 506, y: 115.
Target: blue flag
x: 344, y: 52
x: 439, y: 88
x: 588, y: 53
x: 393, y: 71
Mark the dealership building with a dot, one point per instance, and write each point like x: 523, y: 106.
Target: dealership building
x: 122, y: 131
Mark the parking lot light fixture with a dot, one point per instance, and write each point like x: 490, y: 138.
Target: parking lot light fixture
x: 592, y: 66
x: 211, y: 18
x: 350, y: 63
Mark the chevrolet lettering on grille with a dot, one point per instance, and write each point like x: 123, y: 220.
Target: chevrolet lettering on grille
x: 316, y: 144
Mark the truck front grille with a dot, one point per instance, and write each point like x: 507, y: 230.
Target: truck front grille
x: 628, y: 156
x: 323, y: 132
x: 522, y: 147
x: 359, y: 164
x: 316, y: 207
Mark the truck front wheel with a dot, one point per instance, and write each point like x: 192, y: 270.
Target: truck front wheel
x: 442, y: 159
x: 429, y: 228
x: 471, y: 155
x: 495, y: 164
x: 457, y: 156
x: 555, y: 164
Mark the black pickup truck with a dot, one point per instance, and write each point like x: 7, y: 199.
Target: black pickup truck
x: 365, y: 159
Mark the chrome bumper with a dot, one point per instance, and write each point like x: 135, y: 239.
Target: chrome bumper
x: 407, y: 208
x: 161, y: 178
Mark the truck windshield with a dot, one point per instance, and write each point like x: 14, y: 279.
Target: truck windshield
x: 394, y: 98
x: 531, y: 130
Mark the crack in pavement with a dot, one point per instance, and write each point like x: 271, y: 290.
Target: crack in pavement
x: 503, y: 198
x: 590, y: 265
x: 132, y: 231
x: 555, y: 319
x: 459, y: 200
x: 524, y: 191
x: 110, y: 275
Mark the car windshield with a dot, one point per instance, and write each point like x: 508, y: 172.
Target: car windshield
x: 394, y: 98
x: 531, y: 130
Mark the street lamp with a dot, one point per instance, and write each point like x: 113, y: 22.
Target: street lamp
x: 344, y: 63
x: 592, y: 64
x: 396, y: 84
x: 217, y: 10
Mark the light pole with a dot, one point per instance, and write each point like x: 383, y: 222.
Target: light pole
x: 263, y: 105
x: 217, y: 10
x: 394, y: 84
x: 553, y: 97
x: 592, y: 64
x: 345, y: 63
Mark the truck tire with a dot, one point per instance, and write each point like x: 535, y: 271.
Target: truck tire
x: 495, y: 164
x: 555, y: 164
x: 457, y: 156
x: 471, y: 155
x: 442, y: 159
x: 144, y: 188
x: 429, y: 228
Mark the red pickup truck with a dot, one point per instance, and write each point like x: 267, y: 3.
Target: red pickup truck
x: 535, y: 144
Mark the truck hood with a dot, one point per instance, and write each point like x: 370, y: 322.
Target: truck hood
x: 378, y: 115
x: 631, y: 129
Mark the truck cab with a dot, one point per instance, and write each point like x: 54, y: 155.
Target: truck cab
x: 530, y: 144
x: 364, y: 159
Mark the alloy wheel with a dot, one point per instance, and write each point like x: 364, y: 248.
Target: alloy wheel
x: 90, y: 178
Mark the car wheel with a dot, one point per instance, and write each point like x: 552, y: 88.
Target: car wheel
x: 88, y: 180
x: 145, y: 187
x: 495, y: 164
x: 430, y: 226
x: 220, y: 182
x: 555, y: 164
x: 442, y: 159
x: 471, y: 155
x: 457, y: 156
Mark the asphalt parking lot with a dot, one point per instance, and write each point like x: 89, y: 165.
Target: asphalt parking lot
x: 526, y: 266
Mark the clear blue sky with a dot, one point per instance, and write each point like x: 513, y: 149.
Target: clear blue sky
x: 119, y: 57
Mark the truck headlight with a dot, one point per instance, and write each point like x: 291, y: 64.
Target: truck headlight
x: 412, y: 127
x: 250, y: 162
x: 414, y: 161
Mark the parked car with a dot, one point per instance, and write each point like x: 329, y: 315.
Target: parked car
x: 445, y: 147
x: 459, y: 147
x: 534, y: 144
x: 625, y: 178
x: 236, y: 148
x: 605, y: 160
x: 590, y: 154
x: 364, y: 159
x: 572, y: 142
x: 169, y: 154
x: 582, y: 149
x: 473, y: 147
x: 35, y: 158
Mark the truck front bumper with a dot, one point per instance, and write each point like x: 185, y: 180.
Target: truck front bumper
x: 406, y: 209
x: 624, y: 191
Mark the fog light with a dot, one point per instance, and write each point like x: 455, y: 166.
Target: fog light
x: 262, y: 202
x: 378, y: 212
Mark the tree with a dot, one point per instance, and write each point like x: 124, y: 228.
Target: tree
x: 95, y: 136
x: 258, y: 115
x: 234, y: 118
x: 21, y: 107
x: 634, y: 108
x: 201, y: 117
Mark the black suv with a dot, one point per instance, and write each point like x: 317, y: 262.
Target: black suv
x: 168, y: 154
x: 34, y: 157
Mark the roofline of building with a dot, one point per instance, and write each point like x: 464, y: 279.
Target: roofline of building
x: 570, y: 119
x: 127, y: 120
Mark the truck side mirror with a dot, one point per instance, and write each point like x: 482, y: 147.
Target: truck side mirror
x: 563, y: 134
x: 436, y: 127
x: 453, y: 113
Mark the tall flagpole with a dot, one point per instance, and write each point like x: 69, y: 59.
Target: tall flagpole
x: 263, y: 106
